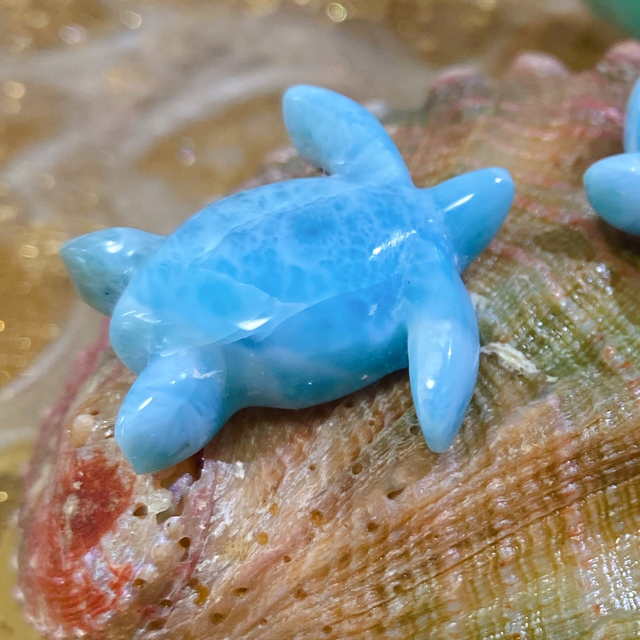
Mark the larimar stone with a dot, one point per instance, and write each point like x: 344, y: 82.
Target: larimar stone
x: 613, y: 184
x: 299, y: 292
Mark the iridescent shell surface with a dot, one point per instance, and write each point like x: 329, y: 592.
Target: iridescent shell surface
x: 337, y: 521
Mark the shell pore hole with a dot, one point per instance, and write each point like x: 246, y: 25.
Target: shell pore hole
x: 262, y: 538
x: 141, y: 511
x: 155, y: 625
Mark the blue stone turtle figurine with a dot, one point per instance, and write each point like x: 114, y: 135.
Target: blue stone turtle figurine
x: 613, y: 184
x: 299, y: 292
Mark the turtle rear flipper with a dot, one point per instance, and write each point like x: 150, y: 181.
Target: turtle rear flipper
x: 341, y: 137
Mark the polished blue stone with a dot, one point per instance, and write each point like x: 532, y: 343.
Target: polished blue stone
x: 613, y: 184
x: 299, y: 292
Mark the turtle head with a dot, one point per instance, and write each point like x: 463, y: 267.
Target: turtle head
x: 101, y: 264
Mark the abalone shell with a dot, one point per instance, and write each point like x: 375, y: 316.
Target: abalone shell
x: 337, y: 521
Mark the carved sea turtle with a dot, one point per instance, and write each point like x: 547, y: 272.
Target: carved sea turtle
x: 299, y: 292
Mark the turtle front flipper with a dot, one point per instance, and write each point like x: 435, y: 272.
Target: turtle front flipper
x: 474, y: 207
x: 341, y: 137
x: 613, y: 189
x: 444, y: 351
x: 102, y: 263
x: 177, y: 404
x: 613, y: 184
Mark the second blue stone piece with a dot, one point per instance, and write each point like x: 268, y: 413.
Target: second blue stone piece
x: 299, y: 292
x: 613, y: 184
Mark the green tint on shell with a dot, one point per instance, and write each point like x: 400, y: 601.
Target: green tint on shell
x: 624, y: 13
